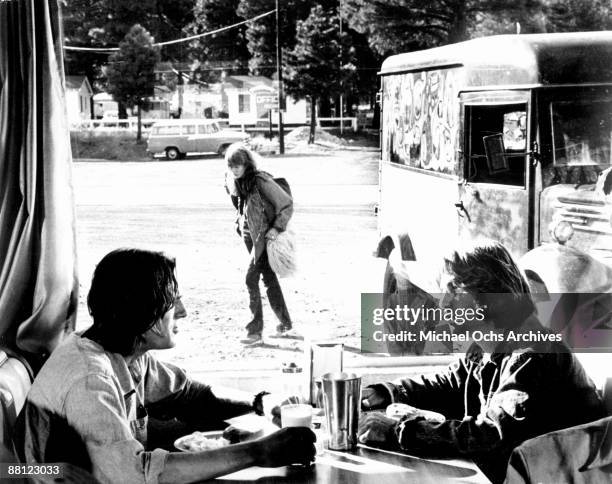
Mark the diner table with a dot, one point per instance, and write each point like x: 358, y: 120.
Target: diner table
x: 365, y: 465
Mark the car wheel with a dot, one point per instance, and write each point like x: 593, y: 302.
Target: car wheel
x: 173, y: 153
x: 222, y: 150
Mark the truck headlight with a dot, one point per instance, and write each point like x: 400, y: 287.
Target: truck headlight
x: 560, y: 231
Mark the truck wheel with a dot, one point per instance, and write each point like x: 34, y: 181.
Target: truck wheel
x: 173, y: 153
x: 222, y: 150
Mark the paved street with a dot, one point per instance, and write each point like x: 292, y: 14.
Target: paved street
x: 181, y: 208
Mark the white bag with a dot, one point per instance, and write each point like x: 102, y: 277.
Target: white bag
x: 282, y: 253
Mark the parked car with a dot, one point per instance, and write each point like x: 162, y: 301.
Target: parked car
x: 178, y: 137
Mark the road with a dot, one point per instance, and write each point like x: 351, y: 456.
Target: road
x: 182, y: 208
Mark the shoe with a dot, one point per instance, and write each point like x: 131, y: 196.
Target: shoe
x: 283, y: 329
x: 252, y: 339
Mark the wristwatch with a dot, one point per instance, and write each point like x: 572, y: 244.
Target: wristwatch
x: 258, y: 403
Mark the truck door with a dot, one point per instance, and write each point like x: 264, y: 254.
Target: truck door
x: 494, y: 196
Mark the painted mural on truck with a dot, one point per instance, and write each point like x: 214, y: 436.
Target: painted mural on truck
x: 421, y: 119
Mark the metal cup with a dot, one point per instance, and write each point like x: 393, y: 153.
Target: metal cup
x: 341, y: 394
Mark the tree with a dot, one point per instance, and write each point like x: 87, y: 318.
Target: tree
x: 394, y: 26
x: 261, y: 35
x: 104, y: 23
x: 578, y: 15
x: 322, y: 63
x: 130, y: 73
x: 226, y: 51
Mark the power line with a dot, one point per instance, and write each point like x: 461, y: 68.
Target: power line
x: 108, y: 50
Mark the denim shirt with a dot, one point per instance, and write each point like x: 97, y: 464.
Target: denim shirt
x: 88, y: 408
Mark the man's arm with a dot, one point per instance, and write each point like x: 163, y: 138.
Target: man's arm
x: 169, y: 393
x: 280, y: 200
x: 520, y: 405
x: 441, y: 392
x: 287, y: 446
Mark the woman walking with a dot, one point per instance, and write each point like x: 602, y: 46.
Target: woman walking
x: 265, y: 209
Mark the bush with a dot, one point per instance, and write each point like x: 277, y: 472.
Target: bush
x: 118, y: 146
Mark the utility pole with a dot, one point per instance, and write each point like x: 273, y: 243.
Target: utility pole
x: 341, y: 93
x: 279, y: 74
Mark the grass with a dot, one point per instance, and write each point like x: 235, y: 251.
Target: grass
x: 108, y: 146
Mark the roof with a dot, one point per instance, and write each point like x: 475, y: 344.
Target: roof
x: 75, y: 82
x: 546, y: 59
x: 249, y: 82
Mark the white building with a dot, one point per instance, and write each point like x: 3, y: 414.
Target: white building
x: 78, y: 99
x: 250, y: 99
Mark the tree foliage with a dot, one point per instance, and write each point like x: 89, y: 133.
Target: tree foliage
x: 394, y: 26
x: 130, y: 73
x: 104, y: 23
x: 226, y: 51
x: 322, y: 63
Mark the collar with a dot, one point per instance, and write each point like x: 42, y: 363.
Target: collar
x: 601, y: 454
x: 127, y: 376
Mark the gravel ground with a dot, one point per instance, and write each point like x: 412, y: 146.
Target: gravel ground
x: 182, y: 209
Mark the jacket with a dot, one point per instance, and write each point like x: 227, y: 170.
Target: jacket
x: 578, y: 455
x: 494, y: 402
x: 266, y: 206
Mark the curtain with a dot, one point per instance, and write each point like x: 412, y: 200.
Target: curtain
x: 38, y: 273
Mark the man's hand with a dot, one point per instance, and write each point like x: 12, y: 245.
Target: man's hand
x: 272, y: 234
x: 377, y: 430
x: 371, y: 399
x: 291, y: 445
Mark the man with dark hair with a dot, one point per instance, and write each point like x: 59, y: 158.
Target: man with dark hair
x: 91, y: 401
x: 504, y: 391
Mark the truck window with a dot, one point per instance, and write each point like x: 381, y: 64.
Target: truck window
x: 582, y: 132
x: 510, y: 123
x: 168, y: 130
x: 189, y: 129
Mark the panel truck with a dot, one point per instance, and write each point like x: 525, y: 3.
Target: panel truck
x: 507, y: 137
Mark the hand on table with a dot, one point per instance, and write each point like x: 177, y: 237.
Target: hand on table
x: 377, y: 430
x: 291, y: 445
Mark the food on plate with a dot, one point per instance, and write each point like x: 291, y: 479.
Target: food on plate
x: 199, y: 441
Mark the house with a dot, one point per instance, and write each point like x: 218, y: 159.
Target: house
x: 104, y: 106
x: 78, y: 99
x: 198, y: 101
x: 251, y: 98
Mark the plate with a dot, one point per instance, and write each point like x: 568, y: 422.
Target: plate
x: 199, y: 441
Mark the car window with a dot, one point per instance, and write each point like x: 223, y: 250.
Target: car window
x: 189, y: 129
x: 202, y: 129
x: 168, y: 130
x: 214, y: 128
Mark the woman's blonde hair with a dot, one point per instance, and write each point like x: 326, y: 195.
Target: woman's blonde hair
x: 239, y: 155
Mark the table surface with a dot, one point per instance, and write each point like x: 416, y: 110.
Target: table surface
x: 366, y: 465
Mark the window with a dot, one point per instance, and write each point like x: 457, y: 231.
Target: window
x: 582, y: 132
x: 168, y: 130
x: 189, y: 129
x: 244, y: 103
x: 496, y: 144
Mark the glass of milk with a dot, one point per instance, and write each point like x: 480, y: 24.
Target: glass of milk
x: 296, y: 415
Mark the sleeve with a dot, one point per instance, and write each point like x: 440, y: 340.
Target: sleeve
x: 516, y: 408
x: 280, y: 201
x: 94, y: 407
x: 169, y: 393
x: 517, y: 472
x: 441, y: 392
